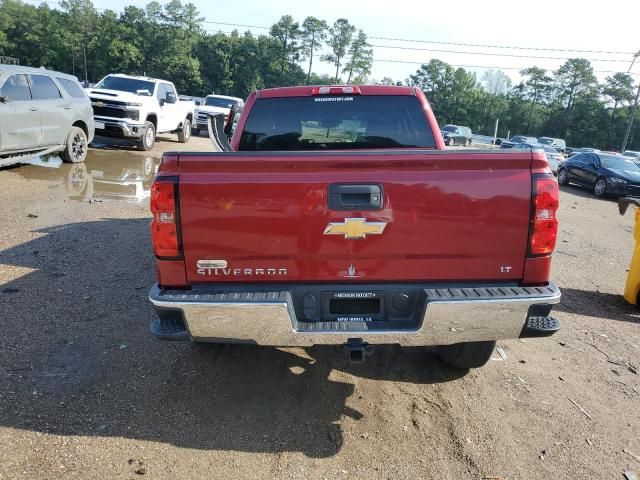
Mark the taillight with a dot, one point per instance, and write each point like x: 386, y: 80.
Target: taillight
x: 165, y: 226
x: 544, y: 224
x: 335, y: 90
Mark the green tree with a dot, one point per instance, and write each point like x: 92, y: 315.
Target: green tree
x: 575, y: 78
x: 463, y: 91
x: 171, y: 34
x: 360, y: 58
x: 537, y: 88
x: 82, y: 17
x: 23, y: 33
x: 314, y: 32
x: 619, y: 90
x: 340, y: 36
x: 574, y: 82
x: 214, y: 52
x: 286, y: 34
x: 5, y: 24
x: 516, y: 112
x: 114, y: 47
x: 436, y: 80
x: 537, y: 84
x: 386, y: 81
x: 249, y: 70
x: 324, y: 79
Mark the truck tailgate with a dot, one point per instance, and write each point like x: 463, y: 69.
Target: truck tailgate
x: 445, y: 216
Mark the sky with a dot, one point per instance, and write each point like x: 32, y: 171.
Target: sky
x: 545, y: 24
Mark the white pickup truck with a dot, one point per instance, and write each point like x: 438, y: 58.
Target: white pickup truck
x: 127, y: 106
x: 214, y: 104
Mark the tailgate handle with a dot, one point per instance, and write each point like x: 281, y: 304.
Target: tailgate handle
x: 355, y: 197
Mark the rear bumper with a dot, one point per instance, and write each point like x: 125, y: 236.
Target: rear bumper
x: 266, y: 315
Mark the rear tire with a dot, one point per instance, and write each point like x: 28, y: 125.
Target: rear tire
x: 76, y: 146
x: 148, y: 138
x: 562, y: 177
x: 466, y: 355
x: 468, y: 142
x: 600, y: 187
x: 185, y: 133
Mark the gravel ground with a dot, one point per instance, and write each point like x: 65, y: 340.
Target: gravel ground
x: 86, y: 392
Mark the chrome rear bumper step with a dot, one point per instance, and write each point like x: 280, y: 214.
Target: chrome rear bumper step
x: 444, y: 315
x: 172, y: 329
x: 541, y: 326
x: 490, y: 293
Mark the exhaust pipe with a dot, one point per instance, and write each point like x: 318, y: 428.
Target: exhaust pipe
x: 357, y: 350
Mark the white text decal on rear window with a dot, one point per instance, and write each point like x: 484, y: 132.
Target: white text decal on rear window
x: 333, y: 99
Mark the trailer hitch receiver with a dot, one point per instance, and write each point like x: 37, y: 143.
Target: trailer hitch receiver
x: 357, y: 350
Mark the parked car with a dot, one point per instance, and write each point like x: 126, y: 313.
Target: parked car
x: 518, y: 139
x: 613, y: 175
x: 127, y: 106
x: 455, y: 135
x: 336, y: 216
x: 558, y: 143
x: 214, y: 104
x: 196, y: 100
x: 575, y: 151
x: 554, y: 157
x: 231, y: 122
x: 632, y: 154
x: 41, y: 112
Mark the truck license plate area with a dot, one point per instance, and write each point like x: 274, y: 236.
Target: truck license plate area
x: 356, y: 306
x: 353, y: 307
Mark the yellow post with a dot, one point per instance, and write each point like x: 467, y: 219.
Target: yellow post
x: 633, y: 277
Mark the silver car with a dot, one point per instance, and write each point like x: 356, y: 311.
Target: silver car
x: 554, y: 157
x: 41, y: 112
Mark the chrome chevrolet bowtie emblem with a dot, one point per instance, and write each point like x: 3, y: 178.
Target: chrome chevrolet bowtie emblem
x: 355, y: 228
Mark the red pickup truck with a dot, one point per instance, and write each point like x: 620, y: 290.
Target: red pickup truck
x: 337, y: 217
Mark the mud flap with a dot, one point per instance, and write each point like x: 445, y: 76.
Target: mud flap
x: 624, y: 202
x: 217, y: 135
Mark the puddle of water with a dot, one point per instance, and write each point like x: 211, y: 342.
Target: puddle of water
x: 52, y: 161
x: 112, y: 175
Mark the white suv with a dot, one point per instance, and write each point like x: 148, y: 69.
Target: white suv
x: 41, y: 112
x: 129, y: 106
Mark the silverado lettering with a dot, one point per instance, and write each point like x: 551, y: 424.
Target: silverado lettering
x: 378, y: 234
x: 241, y: 271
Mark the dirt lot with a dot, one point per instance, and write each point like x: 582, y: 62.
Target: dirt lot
x: 86, y: 392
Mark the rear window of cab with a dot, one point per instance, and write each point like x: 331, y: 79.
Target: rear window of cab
x: 336, y: 123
